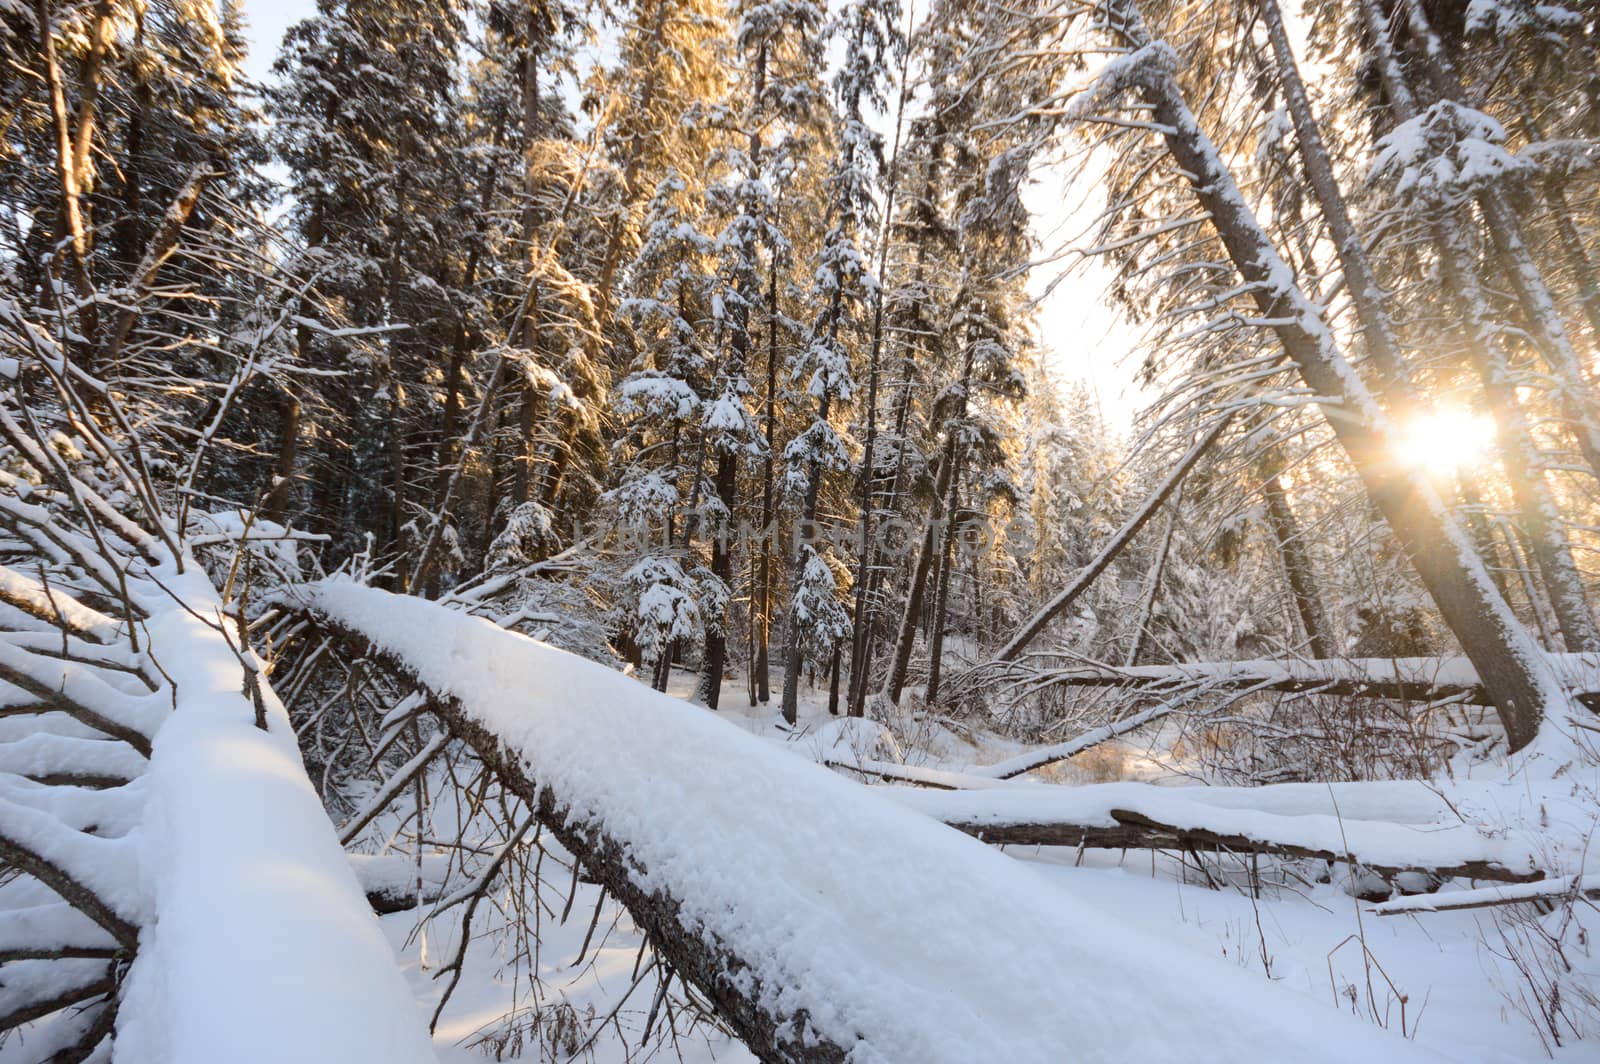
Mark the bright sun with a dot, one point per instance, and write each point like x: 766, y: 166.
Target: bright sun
x: 1444, y: 440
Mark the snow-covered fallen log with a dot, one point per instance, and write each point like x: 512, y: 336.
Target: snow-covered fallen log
x: 1550, y: 890
x: 215, y: 871
x: 173, y: 889
x: 920, y: 775
x: 1451, y: 679
x: 259, y: 943
x: 824, y: 921
x: 1387, y: 827
x: 395, y: 882
x: 1028, y: 760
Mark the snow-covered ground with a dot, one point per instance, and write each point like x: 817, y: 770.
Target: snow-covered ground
x: 1441, y: 980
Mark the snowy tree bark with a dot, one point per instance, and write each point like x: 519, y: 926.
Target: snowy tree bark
x: 1525, y: 472
x: 715, y: 968
x: 1296, y: 565
x: 1518, y: 677
x: 716, y: 649
x: 941, y: 596
x: 1114, y: 546
x: 1546, y: 325
x: 1376, y: 327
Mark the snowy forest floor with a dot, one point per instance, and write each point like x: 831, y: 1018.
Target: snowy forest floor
x: 1448, y: 979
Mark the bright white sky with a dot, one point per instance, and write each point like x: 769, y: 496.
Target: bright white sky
x: 1082, y: 337
x: 268, y: 21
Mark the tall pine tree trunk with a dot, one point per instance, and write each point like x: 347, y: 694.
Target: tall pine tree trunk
x: 941, y: 597
x: 762, y: 599
x: 1296, y: 564
x: 863, y: 615
x: 1544, y: 321
x: 1541, y: 518
x: 528, y: 324
x: 803, y: 534
x: 276, y: 505
x: 1517, y: 676
x: 716, y: 651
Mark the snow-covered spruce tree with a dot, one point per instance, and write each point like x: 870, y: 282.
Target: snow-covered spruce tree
x: 817, y: 618
x: 714, y: 308
x: 525, y: 355
x: 748, y: 207
x: 842, y: 288
x: 654, y: 111
x: 667, y: 305
x: 773, y: 115
x: 983, y: 333
x: 727, y: 432
x: 876, y: 374
x: 552, y: 309
x: 920, y: 304
x: 982, y: 491
x: 916, y: 291
x: 659, y: 606
x: 664, y: 401
x: 366, y: 120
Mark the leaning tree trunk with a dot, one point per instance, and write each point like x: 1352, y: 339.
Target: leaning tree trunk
x: 1541, y: 518
x: 1519, y: 678
x: 715, y: 968
x: 1536, y: 505
x: 1561, y: 214
x: 1545, y: 324
x: 1152, y: 589
x: 1114, y: 546
x: 1376, y: 326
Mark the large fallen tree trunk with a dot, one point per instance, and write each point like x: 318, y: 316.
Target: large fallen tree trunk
x: 1548, y: 892
x: 822, y: 921
x: 1404, y: 679
x: 1387, y: 827
x: 716, y: 968
x: 151, y: 781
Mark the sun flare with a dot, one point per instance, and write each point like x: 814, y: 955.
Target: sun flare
x: 1444, y: 440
